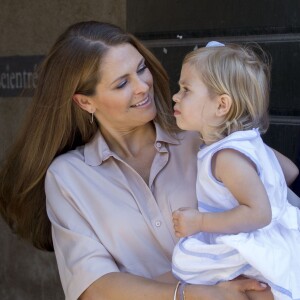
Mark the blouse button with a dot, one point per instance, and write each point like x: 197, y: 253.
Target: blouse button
x: 158, y: 144
x: 157, y: 223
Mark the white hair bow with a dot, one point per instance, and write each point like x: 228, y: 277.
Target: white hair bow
x: 214, y: 44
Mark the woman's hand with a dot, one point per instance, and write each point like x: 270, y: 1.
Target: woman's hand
x: 239, y: 289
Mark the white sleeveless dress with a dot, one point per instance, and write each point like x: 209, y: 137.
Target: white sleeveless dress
x: 270, y: 254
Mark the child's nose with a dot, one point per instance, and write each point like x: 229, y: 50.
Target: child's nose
x: 176, y: 97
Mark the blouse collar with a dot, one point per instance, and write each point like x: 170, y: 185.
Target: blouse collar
x: 97, y: 150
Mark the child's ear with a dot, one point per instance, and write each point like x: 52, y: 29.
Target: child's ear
x: 84, y: 102
x: 224, y: 105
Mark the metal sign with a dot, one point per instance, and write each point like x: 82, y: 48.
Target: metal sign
x: 18, y: 75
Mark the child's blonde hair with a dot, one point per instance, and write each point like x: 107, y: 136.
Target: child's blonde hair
x: 240, y: 73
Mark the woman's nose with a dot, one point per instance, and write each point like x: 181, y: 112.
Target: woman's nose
x: 141, y: 86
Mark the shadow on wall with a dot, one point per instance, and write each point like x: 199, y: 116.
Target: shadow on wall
x: 25, y: 272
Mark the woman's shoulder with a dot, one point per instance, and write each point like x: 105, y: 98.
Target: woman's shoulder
x: 71, y: 158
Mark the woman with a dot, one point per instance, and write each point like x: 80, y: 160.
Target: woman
x: 99, y: 146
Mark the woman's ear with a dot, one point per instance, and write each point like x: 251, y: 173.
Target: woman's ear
x: 84, y: 102
x: 224, y: 105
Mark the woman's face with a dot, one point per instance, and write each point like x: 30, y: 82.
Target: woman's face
x: 124, y: 96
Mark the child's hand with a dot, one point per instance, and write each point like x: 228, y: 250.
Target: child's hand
x: 186, y: 221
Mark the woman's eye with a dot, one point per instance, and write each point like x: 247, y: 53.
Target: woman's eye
x: 122, y: 84
x: 142, y: 69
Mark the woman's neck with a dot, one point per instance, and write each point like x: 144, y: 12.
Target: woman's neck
x: 130, y: 142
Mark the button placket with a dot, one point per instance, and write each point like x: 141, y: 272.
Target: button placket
x: 157, y: 223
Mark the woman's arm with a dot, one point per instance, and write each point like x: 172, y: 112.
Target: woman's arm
x: 252, y: 294
x: 289, y: 169
x: 124, y: 286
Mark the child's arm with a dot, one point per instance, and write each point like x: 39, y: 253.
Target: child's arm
x: 240, y: 176
x: 289, y: 169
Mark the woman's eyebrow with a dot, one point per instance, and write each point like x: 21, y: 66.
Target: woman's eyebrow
x: 142, y: 61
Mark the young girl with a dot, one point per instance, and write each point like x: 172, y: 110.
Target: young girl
x: 244, y: 224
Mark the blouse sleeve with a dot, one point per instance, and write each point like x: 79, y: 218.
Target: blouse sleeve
x: 80, y: 255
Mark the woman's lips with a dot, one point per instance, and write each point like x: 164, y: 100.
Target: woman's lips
x: 142, y: 103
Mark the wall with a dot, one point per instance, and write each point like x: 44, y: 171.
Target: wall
x: 28, y: 29
x: 273, y: 24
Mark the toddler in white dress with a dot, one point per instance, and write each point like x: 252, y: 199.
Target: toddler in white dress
x: 244, y: 224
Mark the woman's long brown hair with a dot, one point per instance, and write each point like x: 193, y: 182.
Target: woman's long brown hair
x: 55, y: 124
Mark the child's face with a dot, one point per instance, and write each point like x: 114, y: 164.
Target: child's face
x: 195, y: 109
